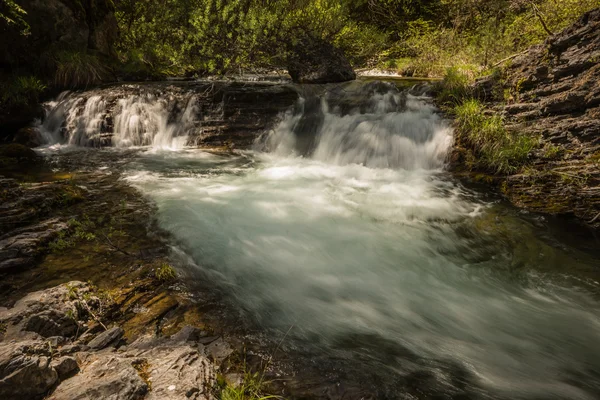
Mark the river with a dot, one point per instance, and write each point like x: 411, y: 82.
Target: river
x: 341, y: 236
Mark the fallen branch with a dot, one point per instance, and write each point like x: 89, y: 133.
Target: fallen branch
x: 110, y: 243
x: 94, y: 315
x: 509, y: 58
x: 538, y: 14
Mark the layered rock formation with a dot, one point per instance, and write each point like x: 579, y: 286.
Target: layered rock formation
x: 51, y: 346
x: 552, y: 92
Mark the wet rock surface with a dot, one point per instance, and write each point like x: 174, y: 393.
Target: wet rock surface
x: 29, y: 137
x: 19, y: 248
x: 554, y: 93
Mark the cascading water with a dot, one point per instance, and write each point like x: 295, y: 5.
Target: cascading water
x: 390, y: 132
x: 347, y: 233
x: 133, y: 120
x: 342, y: 228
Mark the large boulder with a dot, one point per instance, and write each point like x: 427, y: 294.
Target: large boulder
x: 314, y: 60
x: 29, y: 136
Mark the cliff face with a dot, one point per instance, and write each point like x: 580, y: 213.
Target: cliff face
x: 553, y: 92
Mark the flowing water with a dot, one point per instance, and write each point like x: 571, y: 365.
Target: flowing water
x: 342, y: 229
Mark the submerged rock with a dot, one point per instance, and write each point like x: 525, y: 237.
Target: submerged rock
x: 314, y: 60
x: 17, y: 152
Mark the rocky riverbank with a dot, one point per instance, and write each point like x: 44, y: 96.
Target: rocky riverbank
x: 132, y: 331
x: 550, y: 94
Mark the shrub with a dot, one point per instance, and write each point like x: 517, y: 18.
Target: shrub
x: 13, y: 15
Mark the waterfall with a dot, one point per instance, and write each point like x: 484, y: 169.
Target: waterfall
x: 134, y: 120
x: 384, y: 129
x: 373, y: 124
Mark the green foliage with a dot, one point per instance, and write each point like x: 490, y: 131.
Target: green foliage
x: 251, y: 388
x: 472, y: 35
x: 551, y: 151
x: 159, y: 38
x: 455, y: 87
x: 165, y: 273
x: 13, y: 15
x: 218, y: 37
x: 21, y: 91
x: 71, y: 292
x: 75, y: 70
x: 500, y: 151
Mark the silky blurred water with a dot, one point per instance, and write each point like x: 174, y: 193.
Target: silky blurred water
x: 364, y: 246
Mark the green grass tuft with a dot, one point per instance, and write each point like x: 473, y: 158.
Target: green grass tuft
x: 500, y: 151
x: 77, y: 70
x: 455, y: 87
x: 165, y: 273
x: 21, y: 91
x: 251, y: 388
